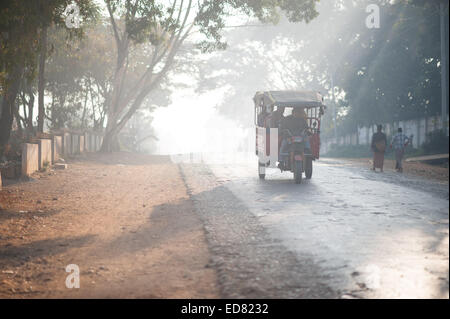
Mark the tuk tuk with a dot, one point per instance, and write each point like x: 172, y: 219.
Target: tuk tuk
x: 279, y: 147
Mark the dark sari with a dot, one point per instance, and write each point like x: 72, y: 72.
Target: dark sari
x: 379, y: 143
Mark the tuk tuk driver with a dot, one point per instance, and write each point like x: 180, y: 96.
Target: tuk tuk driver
x: 296, y: 123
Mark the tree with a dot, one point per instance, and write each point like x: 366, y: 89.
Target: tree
x: 160, y: 28
x: 50, y: 14
x: 78, y: 77
x: 22, y: 35
x: 17, y: 44
x: 380, y: 75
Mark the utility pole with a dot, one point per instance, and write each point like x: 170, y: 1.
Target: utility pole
x: 444, y: 63
x: 334, y: 107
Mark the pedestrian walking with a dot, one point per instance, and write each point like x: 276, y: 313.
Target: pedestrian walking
x: 399, y: 143
x: 379, y: 143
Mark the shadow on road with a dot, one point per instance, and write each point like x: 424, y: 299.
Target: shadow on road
x: 12, y: 255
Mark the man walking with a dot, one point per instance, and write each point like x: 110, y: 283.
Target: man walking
x: 379, y: 143
x: 399, y: 143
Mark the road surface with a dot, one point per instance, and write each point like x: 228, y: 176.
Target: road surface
x: 346, y: 233
x: 140, y: 226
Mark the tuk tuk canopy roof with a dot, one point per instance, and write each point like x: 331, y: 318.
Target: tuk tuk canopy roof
x: 290, y: 98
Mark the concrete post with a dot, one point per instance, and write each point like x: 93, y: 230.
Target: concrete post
x: 45, y: 152
x: 30, y: 158
x: 81, y: 148
x: 67, y: 144
x: 97, y: 142
x: 75, y: 144
x: 86, y: 142
x: 57, y: 148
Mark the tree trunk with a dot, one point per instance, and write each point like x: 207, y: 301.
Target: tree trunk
x: 18, y: 120
x: 110, y: 140
x: 116, y: 120
x: 6, y: 121
x: 110, y: 143
x: 41, y: 80
x: 7, y: 107
x: 83, y: 117
x: 115, y: 125
x: 30, y: 110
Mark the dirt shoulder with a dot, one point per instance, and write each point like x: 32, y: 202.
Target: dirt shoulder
x: 434, y: 172
x: 125, y: 219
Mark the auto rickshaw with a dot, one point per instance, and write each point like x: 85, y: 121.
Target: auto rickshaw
x: 271, y: 107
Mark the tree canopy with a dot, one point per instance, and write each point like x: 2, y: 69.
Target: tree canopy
x: 123, y: 60
x: 379, y: 75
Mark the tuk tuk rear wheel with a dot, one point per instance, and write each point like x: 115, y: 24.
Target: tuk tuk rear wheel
x: 261, y: 171
x: 298, y: 169
x: 308, y: 168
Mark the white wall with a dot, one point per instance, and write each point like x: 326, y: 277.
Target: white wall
x: 416, y: 127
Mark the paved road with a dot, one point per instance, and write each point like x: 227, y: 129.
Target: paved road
x: 348, y: 232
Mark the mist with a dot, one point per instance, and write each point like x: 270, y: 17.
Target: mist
x: 336, y: 50
x: 213, y: 151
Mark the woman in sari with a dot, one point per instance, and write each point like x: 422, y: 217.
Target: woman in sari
x: 379, y: 143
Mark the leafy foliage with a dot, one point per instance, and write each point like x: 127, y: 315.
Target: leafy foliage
x: 437, y: 142
x: 380, y: 75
